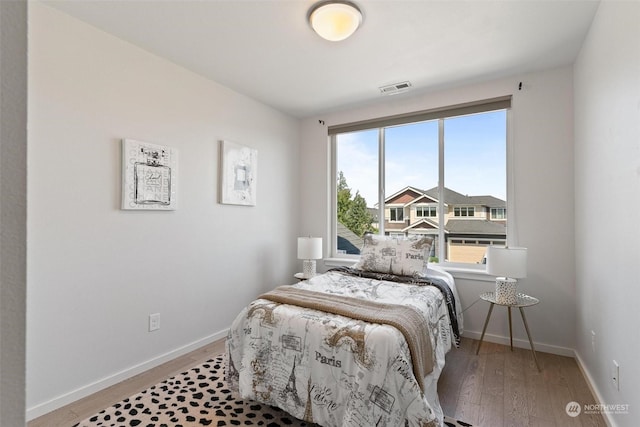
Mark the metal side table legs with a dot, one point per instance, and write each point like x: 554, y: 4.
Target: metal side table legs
x: 523, y: 301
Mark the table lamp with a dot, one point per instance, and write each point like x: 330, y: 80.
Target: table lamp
x: 309, y: 250
x: 508, y: 264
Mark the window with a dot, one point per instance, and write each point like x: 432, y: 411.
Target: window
x: 464, y: 211
x: 498, y: 213
x: 449, y: 163
x: 396, y: 214
x: 425, y: 211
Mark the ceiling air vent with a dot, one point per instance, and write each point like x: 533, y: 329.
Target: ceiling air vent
x: 394, y: 88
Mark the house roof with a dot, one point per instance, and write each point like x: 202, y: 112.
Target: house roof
x: 450, y: 197
x: 475, y: 226
x: 489, y: 201
x: 405, y: 196
x: 348, y: 240
x: 426, y: 199
x: 422, y: 224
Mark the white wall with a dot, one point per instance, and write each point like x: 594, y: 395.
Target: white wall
x: 13, y: 219
x: 607, y: 176
x: 542, y: 129
x: 96, y: 272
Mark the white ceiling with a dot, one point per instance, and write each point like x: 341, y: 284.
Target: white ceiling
x: 265, y: 49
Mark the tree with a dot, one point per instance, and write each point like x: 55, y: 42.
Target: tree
x: 344, y: 197
x: 353, y: 213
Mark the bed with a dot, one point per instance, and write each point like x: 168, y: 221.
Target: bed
x: 312, y: 350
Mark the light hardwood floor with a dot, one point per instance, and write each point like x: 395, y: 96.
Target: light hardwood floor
x: 500, y: 387
x: 497, y: 388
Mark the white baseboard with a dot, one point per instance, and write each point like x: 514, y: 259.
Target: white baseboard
x: 592, y: 387
x: 70, y: 397
x: 520, y: 343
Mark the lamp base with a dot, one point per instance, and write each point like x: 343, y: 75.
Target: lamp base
x: 506, y: 291
x: 308, y: 268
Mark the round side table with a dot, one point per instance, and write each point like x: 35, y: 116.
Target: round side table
x: 522, y: 301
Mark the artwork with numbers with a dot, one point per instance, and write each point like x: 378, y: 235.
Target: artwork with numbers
x: 149, y: 176
x: 238, y: 174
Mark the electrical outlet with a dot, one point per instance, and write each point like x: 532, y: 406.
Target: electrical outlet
x: 615, y: 375
x: 154, y: 322
x: 593, y: 341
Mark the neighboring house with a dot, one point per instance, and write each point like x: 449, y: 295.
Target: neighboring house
x: 348, y: 241
x: 471, y: 222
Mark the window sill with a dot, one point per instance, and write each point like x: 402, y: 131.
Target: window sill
x: 340, y: 262
x: 469, y: 274
x: 456, y: 271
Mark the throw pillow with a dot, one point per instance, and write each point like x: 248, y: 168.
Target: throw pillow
x: 395, y: 255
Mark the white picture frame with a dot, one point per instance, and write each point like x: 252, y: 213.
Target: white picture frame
x: 238, y: 174
x: 149, y: 176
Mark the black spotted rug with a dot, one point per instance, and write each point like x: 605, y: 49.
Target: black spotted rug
x: 197, y: 397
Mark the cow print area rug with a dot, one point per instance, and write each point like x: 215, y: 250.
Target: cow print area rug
x: 197, y: 397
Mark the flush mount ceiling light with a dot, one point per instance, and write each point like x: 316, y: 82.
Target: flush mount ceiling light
x: 335, y: 20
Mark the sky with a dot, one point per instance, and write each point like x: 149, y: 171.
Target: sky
x: 475, y: 157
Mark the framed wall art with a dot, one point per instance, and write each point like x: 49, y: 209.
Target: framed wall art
x: 149, y: 176
x: 238, y: 174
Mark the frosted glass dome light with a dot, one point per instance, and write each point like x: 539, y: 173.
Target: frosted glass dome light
x: 335, y: 20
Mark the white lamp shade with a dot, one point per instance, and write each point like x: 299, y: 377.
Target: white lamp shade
x: 309, y: 247
x: 335, y: 20
x: 507, y: 261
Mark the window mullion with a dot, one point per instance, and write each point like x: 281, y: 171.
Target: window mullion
x: 381, y: 187
x: 441, y: 222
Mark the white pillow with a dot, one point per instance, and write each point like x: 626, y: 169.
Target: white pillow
x: 396, y: 255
